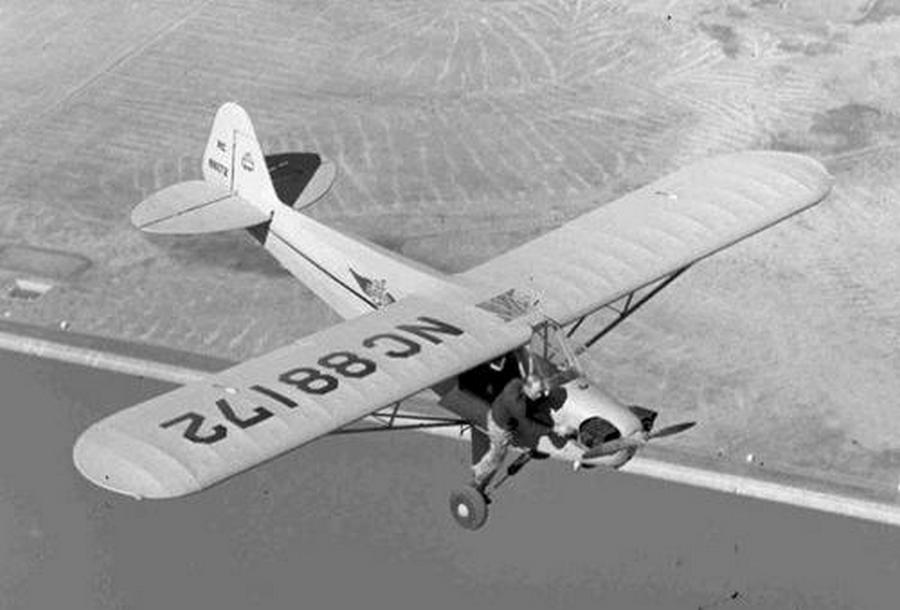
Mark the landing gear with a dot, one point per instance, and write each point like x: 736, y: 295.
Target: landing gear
x: 469, y: 507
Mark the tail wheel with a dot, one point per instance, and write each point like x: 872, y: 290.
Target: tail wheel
x: 469, y: 507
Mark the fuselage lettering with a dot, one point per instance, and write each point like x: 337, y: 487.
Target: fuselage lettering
x: 430, y: 329
x: 218, y: 167
x: 191, y: 433
x: 348, y: 364
x: 259, y: 414
x: 343, y: 364
x: 276, y: 396
x: 309, y: 380
x: 412, y: 348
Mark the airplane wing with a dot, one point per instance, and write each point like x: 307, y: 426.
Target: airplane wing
x: 656, y: 230
x: 206, y: 431
x: 654, y: 462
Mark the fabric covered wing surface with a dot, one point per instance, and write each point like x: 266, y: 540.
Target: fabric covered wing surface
x: 195, y: 436
x: 649, y: 233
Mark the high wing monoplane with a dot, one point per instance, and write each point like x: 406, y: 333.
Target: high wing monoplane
x: 410, y: 331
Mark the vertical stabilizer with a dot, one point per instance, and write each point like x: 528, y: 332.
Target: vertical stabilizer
x: 234, y: 160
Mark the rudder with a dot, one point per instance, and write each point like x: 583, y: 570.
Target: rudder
x: 233, y: 158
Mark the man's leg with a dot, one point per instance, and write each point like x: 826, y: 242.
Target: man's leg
x: 493, y: 458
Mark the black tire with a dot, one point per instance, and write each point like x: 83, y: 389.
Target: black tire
x: 469, y: 508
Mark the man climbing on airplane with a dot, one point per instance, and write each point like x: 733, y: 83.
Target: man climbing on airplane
x: 508, y: 416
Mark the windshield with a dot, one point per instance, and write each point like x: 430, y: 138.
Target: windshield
x: 552, y: 359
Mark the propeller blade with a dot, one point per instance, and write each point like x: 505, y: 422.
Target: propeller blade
x: 673, y: 429
x: 637, y: 441
x: 612, y: 447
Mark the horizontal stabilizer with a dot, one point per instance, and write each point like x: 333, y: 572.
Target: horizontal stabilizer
x: 195, y: 206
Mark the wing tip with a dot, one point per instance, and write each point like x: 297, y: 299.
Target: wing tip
x: 803, y: 168
x: 109, y: 469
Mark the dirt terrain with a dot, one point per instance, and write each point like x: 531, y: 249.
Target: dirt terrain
x: 462, y: 129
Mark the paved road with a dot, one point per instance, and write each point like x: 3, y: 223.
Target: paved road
x: 363, y: 521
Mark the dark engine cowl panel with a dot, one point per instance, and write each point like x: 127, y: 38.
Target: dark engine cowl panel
x: 596, y: 430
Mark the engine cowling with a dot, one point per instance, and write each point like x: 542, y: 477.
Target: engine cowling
x: 591, y: 417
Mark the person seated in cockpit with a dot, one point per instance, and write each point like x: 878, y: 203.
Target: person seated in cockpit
x: 487, y: 381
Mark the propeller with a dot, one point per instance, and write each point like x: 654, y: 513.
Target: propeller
x: 672, y: 430
x: 636, y: 440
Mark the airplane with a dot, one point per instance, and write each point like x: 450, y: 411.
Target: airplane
x: 414, y: 335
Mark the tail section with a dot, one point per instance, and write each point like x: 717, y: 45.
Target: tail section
x: 352, y: 276
x: 349, y: 274
x: 234, y: 160
x: 237, y: 191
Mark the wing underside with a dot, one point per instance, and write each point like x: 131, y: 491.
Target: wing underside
x: 654, y: 231
x: 817, y: 493
x: 655, y: 462
x: 204, y: 432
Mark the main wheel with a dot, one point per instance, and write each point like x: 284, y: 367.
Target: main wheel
x: 469, y: 507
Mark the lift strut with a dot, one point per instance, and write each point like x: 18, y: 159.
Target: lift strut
x: 391, y: 418
x: 630, y: 306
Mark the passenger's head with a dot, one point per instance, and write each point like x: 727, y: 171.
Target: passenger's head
x: 533, y: 387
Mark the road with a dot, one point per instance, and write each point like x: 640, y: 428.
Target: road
x: 353, y: 521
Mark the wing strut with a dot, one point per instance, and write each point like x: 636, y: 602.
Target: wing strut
x: 394, y: 419
x: 630, y: 306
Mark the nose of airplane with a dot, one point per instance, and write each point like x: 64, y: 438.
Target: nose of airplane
x: 588, y: 400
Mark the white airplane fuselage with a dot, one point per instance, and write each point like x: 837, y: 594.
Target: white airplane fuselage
x: 579, y: 408
x: 586, y: 403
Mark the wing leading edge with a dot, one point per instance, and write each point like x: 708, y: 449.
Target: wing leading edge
x: 202, y: 433
x: 652, y: 232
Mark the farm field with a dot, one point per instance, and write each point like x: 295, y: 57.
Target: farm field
x: 460, y: 130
